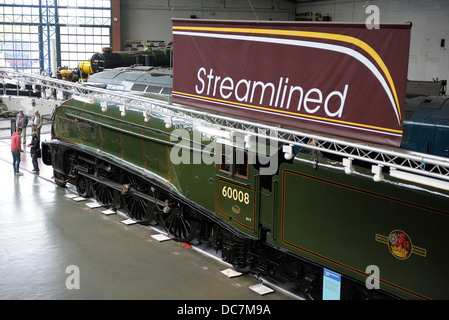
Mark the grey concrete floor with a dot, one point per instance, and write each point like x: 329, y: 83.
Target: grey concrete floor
x: 52, y: 247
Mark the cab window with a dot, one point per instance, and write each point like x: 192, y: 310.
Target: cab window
x: 226, y: 159
x: 240, y: 168
x: 241, y: 164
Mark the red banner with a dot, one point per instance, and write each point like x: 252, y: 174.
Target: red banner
x: 338, y: 79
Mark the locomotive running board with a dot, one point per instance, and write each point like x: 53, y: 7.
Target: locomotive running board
x: 377, y: 156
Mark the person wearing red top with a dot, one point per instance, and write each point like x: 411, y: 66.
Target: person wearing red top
x: 16, y: 149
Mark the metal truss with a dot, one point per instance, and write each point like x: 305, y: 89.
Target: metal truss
x: 379, y: 157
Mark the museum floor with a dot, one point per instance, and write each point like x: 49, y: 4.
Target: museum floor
x: 54, y: 247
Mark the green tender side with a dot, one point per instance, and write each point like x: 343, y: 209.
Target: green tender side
x: 346, y: 223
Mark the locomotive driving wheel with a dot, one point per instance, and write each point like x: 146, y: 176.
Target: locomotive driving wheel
x: 180, y: 223
x: 102, y: 193
x: 138, y: 208
x: 83, y: 186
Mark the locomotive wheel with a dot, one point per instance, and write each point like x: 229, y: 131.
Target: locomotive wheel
x: 243, y: 268
x: 102, y: 193
x: 180, y: 224
x: 83, y: 186
x: 138, y: 209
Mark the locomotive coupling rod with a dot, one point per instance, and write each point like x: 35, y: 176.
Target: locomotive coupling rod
x: 123, y: 188
x: 112, y: 184
x: 147, y: 197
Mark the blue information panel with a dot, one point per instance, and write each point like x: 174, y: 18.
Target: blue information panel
x: 331, y: 285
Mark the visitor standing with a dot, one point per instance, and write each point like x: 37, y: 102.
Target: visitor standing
x: 22, y: 122
x: 36, y: 123
x: 35, y: 150
x: 16, y: 149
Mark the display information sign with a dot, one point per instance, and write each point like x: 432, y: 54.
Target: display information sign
x: 331, y: 285
x: 333, y: 78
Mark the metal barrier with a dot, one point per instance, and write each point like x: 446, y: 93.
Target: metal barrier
x: 378, y: 156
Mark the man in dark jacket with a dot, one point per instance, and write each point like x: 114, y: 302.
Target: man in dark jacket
x: 35, y: 150
x: 22, y: 122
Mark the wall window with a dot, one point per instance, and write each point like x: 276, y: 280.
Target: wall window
x: 80, y: 27
x: 78, y: 44
x: 19, y: 47
x: 19, y: 37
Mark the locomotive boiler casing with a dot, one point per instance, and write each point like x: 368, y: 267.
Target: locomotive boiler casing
x: 145, y: 148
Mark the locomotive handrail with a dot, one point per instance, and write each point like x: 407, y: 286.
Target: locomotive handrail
x: 377, y: 155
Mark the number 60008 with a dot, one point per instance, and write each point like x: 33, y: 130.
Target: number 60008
x: 237, y: 195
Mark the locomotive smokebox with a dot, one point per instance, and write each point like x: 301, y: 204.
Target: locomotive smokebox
x: 106, y: 60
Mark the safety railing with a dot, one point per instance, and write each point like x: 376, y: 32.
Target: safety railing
x: 418, y: 166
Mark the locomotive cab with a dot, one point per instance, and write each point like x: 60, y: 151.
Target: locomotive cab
x: 236, y: 200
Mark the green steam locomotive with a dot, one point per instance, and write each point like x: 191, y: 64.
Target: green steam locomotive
x: 293, y: 213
